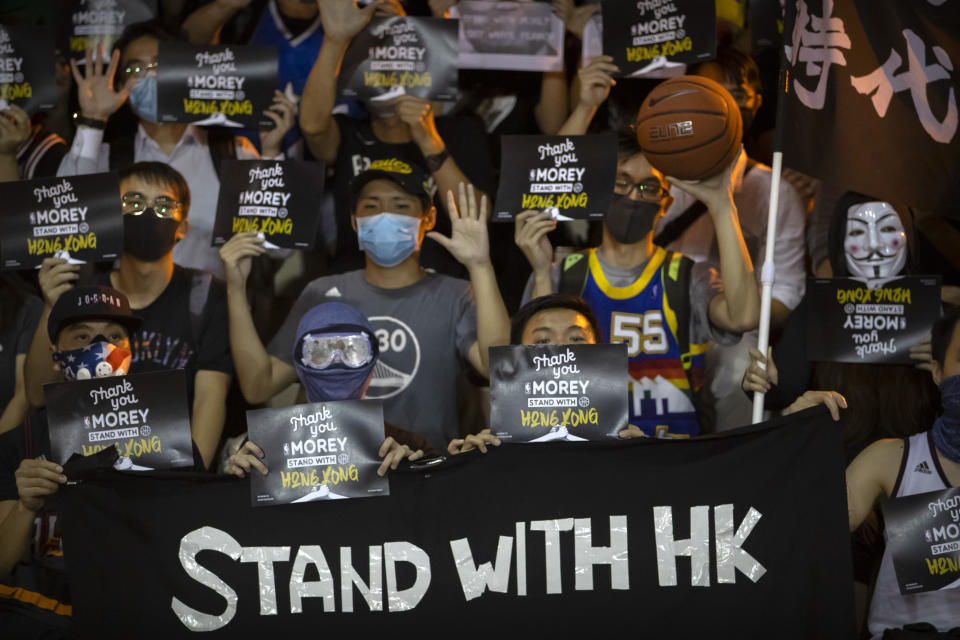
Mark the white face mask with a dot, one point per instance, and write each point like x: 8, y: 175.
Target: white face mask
x: 875, y: 243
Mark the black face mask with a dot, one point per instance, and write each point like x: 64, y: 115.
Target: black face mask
x: 629, y: 221
x: 147, y: 237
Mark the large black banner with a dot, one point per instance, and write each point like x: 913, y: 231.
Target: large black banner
x: 870, y: 99
x: 321, y: 451
x: 398, y: 55
x: 144, y: 415
x: 77, y: 217
x: 572, y: 176
x: 520, y: 36
x: 87, y: 23
x: 216, y: 85
x: 739, y: 536
x: 849, y: 322
x: 27, y: 68
x: 647, y: 35
x: 281, y: 200
x: 923, y: 534
x: 558, y: 392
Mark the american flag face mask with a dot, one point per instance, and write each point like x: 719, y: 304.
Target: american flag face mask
x: 99, y: 359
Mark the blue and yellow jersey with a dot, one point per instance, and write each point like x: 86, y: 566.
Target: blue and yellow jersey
x: 641, y: 316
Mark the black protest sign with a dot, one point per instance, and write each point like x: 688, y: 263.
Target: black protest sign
x: 322, y: 451
x: 849, y: 322
x: 558, y: 392
x: 869, y: 99
x: 923, y: 537
x: 402, y: 55
x: 144, y: 415
x: 571, y: 176
x: 83, y: 24
x: 278, y: 199
x: 519, y: 36
x: 27, y: 69
x: 650, y: 34
x: 79, y: 215
x: 216, y: 85
x: 747, y: 529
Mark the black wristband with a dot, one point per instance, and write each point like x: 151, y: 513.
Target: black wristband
x: 436, y: 160
x: 91, y: 122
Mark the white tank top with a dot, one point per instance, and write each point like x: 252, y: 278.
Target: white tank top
x: 920, y: 472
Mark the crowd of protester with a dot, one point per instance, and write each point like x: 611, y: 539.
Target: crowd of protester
x: 404, y: 235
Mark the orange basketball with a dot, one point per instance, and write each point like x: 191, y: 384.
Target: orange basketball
x: 689, y: 127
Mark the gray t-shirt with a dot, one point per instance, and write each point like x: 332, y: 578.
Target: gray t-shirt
x: 423, y: 329
x: 705, y: 284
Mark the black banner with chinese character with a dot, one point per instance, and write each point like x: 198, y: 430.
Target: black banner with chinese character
x: 847, y: 321
x: 871, y: 98
x: 737, y: 536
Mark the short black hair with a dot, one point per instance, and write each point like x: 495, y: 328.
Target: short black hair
x: 942, y: 334
x: 162, y: 174
x: 150, y: 28
x: 738, y: 67
x: 553, y: 301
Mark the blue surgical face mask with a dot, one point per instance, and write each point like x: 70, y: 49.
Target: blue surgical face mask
x: 143, y: 97
x: 388, y: 238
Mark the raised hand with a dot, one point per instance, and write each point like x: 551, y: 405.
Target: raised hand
x: 417, y: 113
x: 468, y: 242
x: 530, y: 234
x: 596, y: 80
x: 56, y: 276
x: 343, y: 19
x: 246, y: 458
x: 237, y: 255
x: 574, y: 18
x: 716, y: 191
x: 283, y: 112
x: 95, y: 90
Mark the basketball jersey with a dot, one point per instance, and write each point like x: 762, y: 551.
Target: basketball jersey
x: 920, y: 472
x: 660, y: 396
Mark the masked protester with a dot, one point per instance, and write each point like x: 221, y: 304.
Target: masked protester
x: 108, y: 84
x: 426, y: 325
x: 88, y: 332
x: 660, y: 304
x: 897, y: 467
x: 183, y: 310
x: 870, y: 241
x: 334, y: 355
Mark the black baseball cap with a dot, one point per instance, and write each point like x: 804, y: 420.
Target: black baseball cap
x: 90, y: 303
x: 407, y: 175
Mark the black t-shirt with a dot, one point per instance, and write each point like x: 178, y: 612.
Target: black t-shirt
x: 15, y: 339
x: 359, y: 146
x: 170, y: 337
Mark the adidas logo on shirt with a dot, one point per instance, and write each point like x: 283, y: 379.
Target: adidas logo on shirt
x: 923, y: 467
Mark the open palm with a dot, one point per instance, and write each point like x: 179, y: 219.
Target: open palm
x: 468, y: 242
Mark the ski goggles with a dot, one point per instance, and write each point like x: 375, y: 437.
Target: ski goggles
x: 321, y: 351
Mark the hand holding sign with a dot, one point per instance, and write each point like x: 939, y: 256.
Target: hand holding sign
x: 247, y: 458
x: 468, y: 242
x: 596, y: 80
x: 574, y: 18
x: 37, y: 479
x: 237, y: 255
x: 530, y: 234
x: 343, y: 19
x: 283, y: 112
x: 95, y: 90
x: 417, y: 113
x: 56, y: 277
x: 14, y: 129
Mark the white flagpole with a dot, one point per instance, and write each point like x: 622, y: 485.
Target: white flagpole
x: 767, y: 273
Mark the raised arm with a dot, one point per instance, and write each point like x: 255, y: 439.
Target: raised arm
x: 872, y: 473
x: 592, y: 84
x: 469, y: 243
x: 342, y: 20
x: 261, y: 376
x: 738, y: 307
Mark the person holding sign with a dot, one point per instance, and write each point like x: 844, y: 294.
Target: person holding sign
x: 869, y: 244
x: 81, y: 319
x: 334, y: 356
x: 183, y: 310
x: 424, y: 322
x: 193, y: 151
x: 403, y: 127
x: 664, y: 307
x: 897, y: 467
